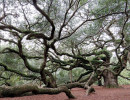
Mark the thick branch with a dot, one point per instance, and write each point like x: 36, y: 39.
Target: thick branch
x: 86, y: 73
x: 19, y: 90
x: 7, y: 40
x: 74, y: 85
x: 47, y: 17
x: 18, y: 72
x: 24, y: 59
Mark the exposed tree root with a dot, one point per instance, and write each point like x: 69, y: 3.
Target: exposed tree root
x: 20, y: 90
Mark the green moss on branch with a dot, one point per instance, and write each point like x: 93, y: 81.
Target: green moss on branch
x: 20, y: 90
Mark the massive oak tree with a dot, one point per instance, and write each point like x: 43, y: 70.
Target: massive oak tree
x: 39, y: 37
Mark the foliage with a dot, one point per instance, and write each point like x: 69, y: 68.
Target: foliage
x: 46, y: 40
x: 123, y: 81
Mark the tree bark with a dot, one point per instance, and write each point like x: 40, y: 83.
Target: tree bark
x: 73, y: 85
x: 20, y: 90
x: 110, y: 80
x: 70, y: 74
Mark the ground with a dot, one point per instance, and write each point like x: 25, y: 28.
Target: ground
x: 80, y: 94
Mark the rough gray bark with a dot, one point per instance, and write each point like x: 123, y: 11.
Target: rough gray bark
x: 90, y: 81
x: 20, y: 90
x: 110, y: 80
x: 73, y: 85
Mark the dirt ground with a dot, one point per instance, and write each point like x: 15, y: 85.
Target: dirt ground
x: 80, y: 94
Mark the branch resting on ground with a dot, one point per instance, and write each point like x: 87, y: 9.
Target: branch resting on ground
x: 20, y: 90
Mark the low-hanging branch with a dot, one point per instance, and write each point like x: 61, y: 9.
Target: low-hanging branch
x: 18, y: 72
x: 24, y: 58
x: 2, y: 27
x: 11, y: 91
x: 20, y: 90
x: 124, y: 77
x: 9, y: 50
x: 84, y: 63
x: 86, y: 73
x: 74, y: 85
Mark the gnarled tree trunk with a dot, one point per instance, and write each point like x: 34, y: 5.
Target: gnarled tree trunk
x: 110, y: 80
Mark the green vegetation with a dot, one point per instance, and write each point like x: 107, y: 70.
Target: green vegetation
x: 62, y: 44
x: 123, y: 81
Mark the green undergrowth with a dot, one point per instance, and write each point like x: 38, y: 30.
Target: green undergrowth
x: 123, y: 81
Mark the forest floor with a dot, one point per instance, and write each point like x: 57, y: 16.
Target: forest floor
x: 80, y: 94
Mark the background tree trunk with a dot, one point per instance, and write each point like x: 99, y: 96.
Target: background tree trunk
x: 110, y: 80
x: 70, y: 74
